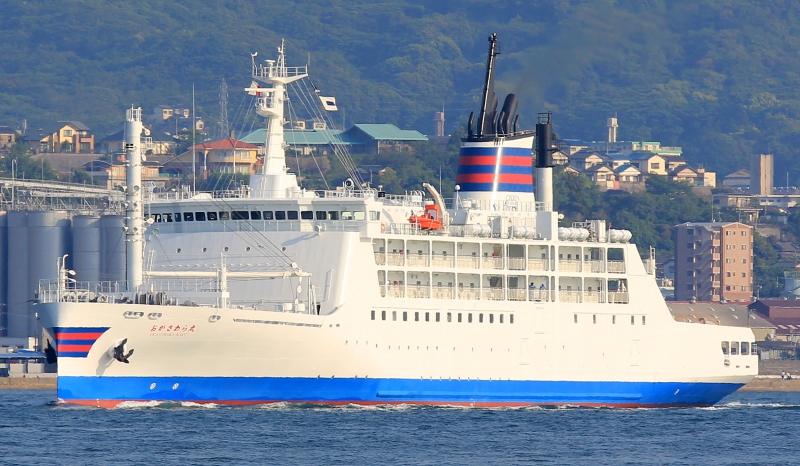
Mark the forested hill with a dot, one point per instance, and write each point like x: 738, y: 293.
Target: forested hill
x: 718, y: 77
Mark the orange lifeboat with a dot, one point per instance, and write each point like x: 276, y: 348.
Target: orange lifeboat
x: 430, y: 220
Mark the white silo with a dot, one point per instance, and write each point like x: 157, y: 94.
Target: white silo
x: 17, y: 309
x: 112, y: 255
x: 86, y: 247
x: 49, y: 237
x: 3, y: 272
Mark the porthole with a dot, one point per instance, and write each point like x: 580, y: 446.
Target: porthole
x: 247, y: 248
x: 179, y: 250
x: 205, y: 249
x: 226, y: 248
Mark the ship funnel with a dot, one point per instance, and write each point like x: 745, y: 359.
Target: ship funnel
x: 495, y: 160
x: 544, y: 161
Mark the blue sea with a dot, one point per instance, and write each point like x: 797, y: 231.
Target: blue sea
x: 745, y: 428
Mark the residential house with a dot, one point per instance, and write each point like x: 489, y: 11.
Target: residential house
x: 784, y: 314
x: 738, y: 179
x: 112, y: 176
x: 375, y: 137
x: 616, y: 160
x: 227, y: 155
x: 602, y: 176
x: 627, y: 173
x: 560, y: 158
x: 154, y: 142
x: 165, y: 112
x: 306, y: 142
x: 684, y: 173
x: 570, y: 146
x: 64, y: 136
x: 8, y: 137
x: 585, y: 159
x: 649, y: 163
x: 673, y: 161
x: 630, y: 147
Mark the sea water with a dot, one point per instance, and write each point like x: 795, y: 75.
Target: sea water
x: 745, y: 428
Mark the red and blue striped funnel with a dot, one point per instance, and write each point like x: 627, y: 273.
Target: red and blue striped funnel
x: 496, y: 167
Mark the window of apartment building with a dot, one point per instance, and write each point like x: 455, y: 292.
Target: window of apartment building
x: 690, y: 231
x: 728, y: 288
x: 690, y: 287
x: 68, y: 133
x: 655, y: 166
x: 689, y: 245
x: 744, y: 247
x: 727, y: 261
x: 744, y: 233
x: 690, y: 273
x: 744, y: 288
x: 744, y: 275
x: 744, y: 261
x: 727, y: 274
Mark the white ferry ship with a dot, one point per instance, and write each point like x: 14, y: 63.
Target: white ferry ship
x: 279, y: 294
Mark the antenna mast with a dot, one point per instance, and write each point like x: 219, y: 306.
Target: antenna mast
x: 224, y: 125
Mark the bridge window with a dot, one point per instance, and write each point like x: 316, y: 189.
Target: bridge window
x: 307, y: 215
x: 725, y: 347
x: 734, y: 348
x: 188, y: 216
x: 212, y: 216
x: 374, y: 215
x: 359, y: 215
x: 291, y: 215
x: 333, y: 215
x: 280, y: 215
x: 347, y: 215
x: 200, y: 216
x: 240, y: 215
x: 178, y: 217
x: 322, y: 215
x: 268, y: 215
x: 224, y: 215
x: 745, y: 348
x: 255, y: 215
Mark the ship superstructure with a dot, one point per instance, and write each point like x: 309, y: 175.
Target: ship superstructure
x: 355, y: 295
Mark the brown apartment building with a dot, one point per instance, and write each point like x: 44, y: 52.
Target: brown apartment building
x: 713, y: 261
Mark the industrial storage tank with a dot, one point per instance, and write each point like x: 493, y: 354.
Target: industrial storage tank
x: 86, y: 247
x: 18, y: 293
x: 3, y: 273
x: 49, y: 237
x: 112, y: 255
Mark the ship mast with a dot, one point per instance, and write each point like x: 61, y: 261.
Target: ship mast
x: 134, y: 207
x: 274, y: 181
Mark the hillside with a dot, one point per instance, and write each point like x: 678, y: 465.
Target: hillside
x: 717, y: 77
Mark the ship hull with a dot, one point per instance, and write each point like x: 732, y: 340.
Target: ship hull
x: 111, y: 391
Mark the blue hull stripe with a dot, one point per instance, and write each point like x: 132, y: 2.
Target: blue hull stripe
x: 360, y: 390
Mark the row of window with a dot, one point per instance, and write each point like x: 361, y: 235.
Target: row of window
x: 203, y: 216
x: 448, y: 316
x: 727, y: 287
x: 690, y: 232
x: 734, y: 347
x: 613, y: 319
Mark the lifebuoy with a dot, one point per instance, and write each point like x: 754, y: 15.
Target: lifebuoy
x: 383, y: 228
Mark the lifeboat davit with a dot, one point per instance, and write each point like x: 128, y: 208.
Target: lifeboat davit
x: 430, y: 220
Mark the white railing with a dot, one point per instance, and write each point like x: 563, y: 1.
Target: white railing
x: 444, y: 292
x: 569, y: 265
x: 616, y: 266
x: 468, y: 262
x: 380, y: 258
x: 537, y: 264
x: 419, y: 291
x: 569, y: 296
x: 395, y: 258
x: 516, y: 263
x: 516, y: 294
x: 492, y: 294
x: 595, y: 266
x: 495, y: 263
x: 383, y: 290
x: 539, y: 295
x: 618, y: 297
x: 441, y: 260
x: 593, y: 297
x: 470, y: 294
x: 395, y: 291
x: 421, y: 260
